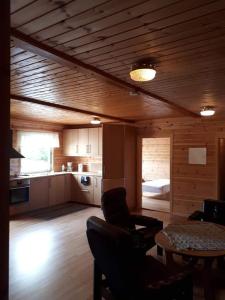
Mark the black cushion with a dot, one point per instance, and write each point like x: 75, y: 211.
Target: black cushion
x: 213, y: 211
x: 115, y: 208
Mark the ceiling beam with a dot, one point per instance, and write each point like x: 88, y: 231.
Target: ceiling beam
x: 68, y: 108
x: 25, y: 42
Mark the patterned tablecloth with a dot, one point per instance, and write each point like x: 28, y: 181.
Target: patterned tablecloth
x: 202, y: 236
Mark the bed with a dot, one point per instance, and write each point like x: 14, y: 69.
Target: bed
x: 159, y: 186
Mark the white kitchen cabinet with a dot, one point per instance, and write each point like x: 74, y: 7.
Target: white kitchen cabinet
x: 67, y: 187
x: 70, y: 142
x: 39, y: 192
x: 100, y: 141
x: 38, y: 197
x: 97, y: 190
x: 83, y: 146
x: 82, y: 142
x: 93, y: 136
x: 57, y: 190
x: 75, y: 189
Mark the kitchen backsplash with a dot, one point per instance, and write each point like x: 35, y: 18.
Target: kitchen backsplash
x: 14, y: 166
x: 90, y: 164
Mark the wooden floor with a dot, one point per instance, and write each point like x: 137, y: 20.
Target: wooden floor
x: 49, y: 255
x: 155, y: 204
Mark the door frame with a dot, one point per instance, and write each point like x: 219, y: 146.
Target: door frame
x: 218, y: 136
x: 139, y: 167
x: 5, y: 145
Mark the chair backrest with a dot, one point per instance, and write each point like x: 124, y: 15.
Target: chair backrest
x: 214, y: 211
x: 111, y: 247
x: 115, y: 208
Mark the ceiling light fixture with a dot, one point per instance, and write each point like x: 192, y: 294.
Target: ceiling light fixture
x: 95, y: 121
x: 134, y: 93
x: 207, y: 111
x: 142, y: 71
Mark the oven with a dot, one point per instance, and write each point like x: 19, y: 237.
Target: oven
x: 19, y: 190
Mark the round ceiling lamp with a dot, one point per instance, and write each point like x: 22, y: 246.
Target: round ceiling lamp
x: 207, y: 111
x: 95, y: 121
x: 142, y: 71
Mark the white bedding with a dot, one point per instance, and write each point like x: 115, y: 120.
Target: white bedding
x: 160, y: 186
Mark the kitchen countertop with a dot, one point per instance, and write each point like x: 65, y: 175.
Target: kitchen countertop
x: 47, y: 174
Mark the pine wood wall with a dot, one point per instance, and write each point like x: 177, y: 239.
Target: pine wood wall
x: 190, y: 183
x: 155, y: 158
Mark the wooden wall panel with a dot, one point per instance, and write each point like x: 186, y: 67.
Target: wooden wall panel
x: 190, y: 183
x: 130, y: 159
x: 4, y: 149
x: 156, y: 158
x: 20, y: 124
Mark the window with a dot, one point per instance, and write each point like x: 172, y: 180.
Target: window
x: 37, y: 148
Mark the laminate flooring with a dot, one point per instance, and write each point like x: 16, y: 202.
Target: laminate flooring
x: 50, y: 257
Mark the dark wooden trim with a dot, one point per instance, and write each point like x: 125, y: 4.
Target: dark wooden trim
x: 27, y: 43
x: 68, y: 108
x: 5, y: 144
x: 81, y: 126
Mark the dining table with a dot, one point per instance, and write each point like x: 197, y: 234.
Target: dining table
x: 174, y: 240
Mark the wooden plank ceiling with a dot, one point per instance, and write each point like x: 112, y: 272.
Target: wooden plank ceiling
x: 185, y: 38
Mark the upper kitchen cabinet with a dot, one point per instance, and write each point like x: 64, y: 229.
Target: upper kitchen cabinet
x: 82, y: 142
x: 93, y: 142
x: 70, y: 142
x: 100, y: 141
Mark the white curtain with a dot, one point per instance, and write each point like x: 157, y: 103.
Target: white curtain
x: 47, y: 139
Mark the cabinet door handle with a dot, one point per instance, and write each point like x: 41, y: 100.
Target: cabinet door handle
x: 86, y: 191
x: 90, y: 148
x: 86, y: 148
x: 96, y: 182
x: 76, y: 148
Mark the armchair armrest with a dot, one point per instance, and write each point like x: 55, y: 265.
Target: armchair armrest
x: 197, y: 215
x: 146, y: 221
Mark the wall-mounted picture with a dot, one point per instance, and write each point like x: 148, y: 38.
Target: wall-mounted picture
x: 197, y: 156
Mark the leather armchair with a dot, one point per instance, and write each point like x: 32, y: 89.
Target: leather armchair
x: 213, y: 211
x: 116, y: 212
x: 129, y: 276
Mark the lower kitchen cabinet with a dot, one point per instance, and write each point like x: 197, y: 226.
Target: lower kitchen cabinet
x: 57, y: 190
x: 88, y: 194
x: 38, y: 197
x: 97, y: 190
x: 67, y: 189
x: 39, y: 192
x: 53, y: 190
x: 82, y: 193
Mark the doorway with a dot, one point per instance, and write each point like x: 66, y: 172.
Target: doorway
x: 156, y: 173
